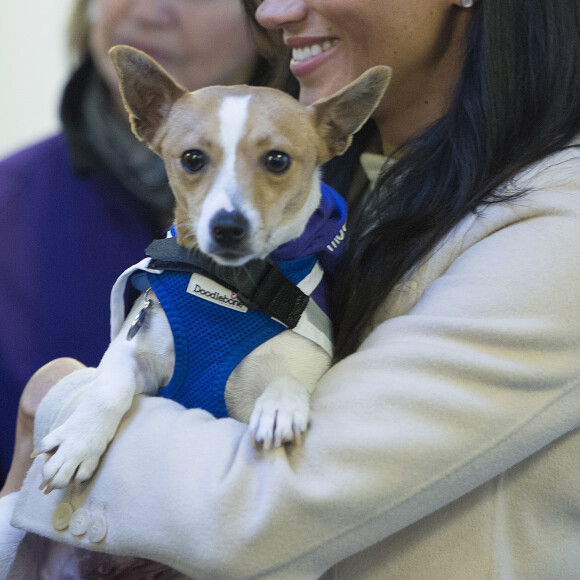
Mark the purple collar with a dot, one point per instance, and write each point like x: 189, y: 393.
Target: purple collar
x: 324, y: 233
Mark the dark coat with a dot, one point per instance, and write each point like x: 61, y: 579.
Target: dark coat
x: 64, y: 238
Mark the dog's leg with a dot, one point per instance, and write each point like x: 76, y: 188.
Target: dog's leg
x: 139, y: 365
x: 271, y: 388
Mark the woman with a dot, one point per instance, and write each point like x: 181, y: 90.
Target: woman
x: 444, y: 441
x: 77, y: 208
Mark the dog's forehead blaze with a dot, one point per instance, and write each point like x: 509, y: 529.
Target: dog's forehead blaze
x: 191, y: 125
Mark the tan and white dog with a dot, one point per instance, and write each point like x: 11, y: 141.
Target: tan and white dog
x: 242, y: 163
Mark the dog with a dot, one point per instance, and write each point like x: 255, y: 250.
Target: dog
x: 243, y: 163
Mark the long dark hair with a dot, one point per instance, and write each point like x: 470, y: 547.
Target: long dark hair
x: 518, y: 100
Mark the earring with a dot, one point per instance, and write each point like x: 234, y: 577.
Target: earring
x: 466, y: 3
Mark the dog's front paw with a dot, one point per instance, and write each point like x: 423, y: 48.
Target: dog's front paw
x: 72, y: 452
x: 280, y: 414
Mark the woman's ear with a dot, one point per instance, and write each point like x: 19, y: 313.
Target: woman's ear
x: 464, y: 3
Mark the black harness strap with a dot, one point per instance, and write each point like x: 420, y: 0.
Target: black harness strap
x: 259, y: 284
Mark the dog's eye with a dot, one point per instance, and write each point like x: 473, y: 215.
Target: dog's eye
x: 277, y: 161
x: 193, y: 160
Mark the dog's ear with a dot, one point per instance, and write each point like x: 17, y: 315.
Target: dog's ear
x: 148, y: 91
x: 338, y: 117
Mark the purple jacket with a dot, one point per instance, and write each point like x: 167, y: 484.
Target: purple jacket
x: 54, y: 301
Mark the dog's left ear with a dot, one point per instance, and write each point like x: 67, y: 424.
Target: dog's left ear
x: 338, y: 117
x: 148, y: 91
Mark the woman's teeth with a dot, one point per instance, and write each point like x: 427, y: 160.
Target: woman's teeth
x: 299, y: 54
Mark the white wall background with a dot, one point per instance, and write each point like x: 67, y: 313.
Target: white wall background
x: 33, y: 69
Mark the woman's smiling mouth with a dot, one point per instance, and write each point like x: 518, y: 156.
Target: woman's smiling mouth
x: 300, y: 54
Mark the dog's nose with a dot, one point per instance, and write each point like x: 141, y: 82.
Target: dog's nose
x: 229, y: 228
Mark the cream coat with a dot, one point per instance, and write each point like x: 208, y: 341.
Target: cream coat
x: 448, y: 447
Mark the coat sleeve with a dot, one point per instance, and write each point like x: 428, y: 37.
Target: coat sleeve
x: 480, y: 373
x: 10, y: 537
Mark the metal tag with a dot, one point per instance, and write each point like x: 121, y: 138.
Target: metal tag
x: 140, y: 318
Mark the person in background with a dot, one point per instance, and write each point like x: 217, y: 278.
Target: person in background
x: 80, y: 207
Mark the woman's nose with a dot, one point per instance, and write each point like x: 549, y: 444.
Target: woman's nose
x: 278, y: 13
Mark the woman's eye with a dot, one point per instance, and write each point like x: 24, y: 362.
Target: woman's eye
x: 193, y: 160
x: 277, y: 161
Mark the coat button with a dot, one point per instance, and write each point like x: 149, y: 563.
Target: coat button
x: 79, y: 522
x: 97, y: 529
x: 61, y: 516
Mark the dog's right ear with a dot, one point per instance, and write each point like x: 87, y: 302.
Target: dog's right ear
x: 148, y: 91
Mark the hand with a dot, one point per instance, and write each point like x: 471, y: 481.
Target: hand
x: 40, y: 383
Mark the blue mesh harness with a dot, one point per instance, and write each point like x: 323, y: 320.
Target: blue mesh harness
x: 210, y: 339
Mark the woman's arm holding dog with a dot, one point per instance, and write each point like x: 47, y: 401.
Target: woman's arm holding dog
x: 471, y: 381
